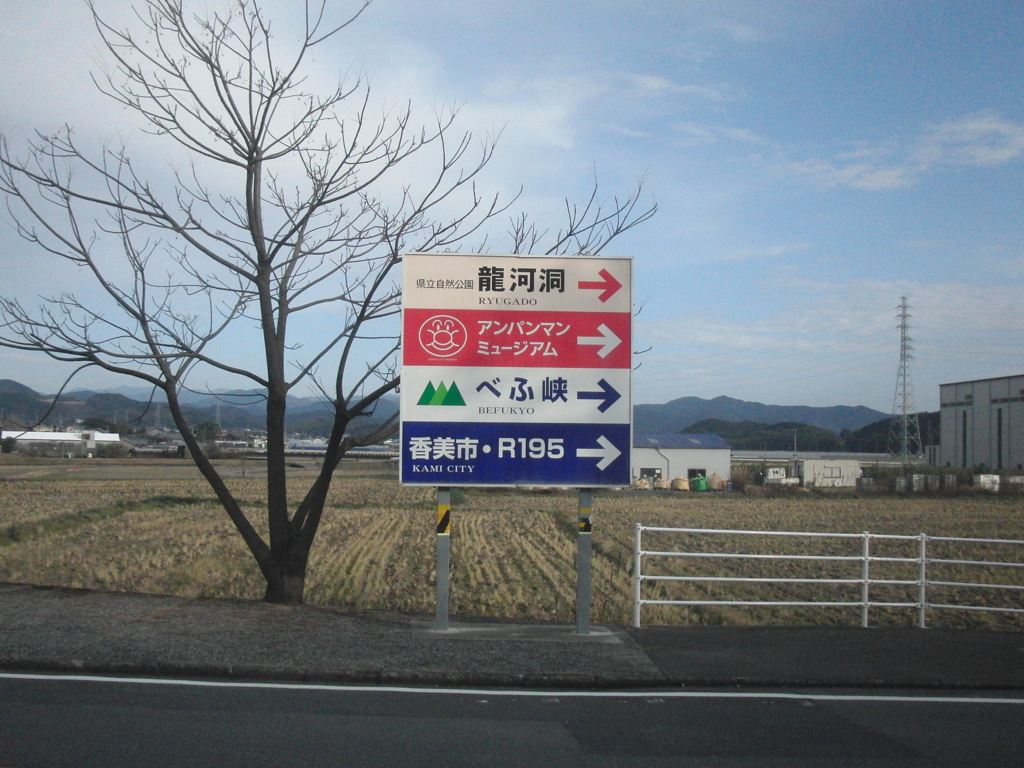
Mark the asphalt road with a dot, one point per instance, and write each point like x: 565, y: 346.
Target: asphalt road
x: 53, y: 722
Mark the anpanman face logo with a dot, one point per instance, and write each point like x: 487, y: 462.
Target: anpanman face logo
x: 443, y: 335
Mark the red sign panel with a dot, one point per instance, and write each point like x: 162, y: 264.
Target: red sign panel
x: 521, y: 339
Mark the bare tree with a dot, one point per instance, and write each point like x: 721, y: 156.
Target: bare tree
x: 292, y: 205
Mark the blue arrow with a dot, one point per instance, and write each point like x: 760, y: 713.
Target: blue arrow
x: 607, y: 393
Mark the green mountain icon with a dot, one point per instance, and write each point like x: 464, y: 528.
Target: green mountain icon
x: 442, y: 395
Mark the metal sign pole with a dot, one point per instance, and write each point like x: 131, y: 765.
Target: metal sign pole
x: 444, y: 527
x: 583, y: 549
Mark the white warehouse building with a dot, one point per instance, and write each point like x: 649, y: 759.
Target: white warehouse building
x: 61, y: 443
x: 683, y: 455
x: 981, y: 423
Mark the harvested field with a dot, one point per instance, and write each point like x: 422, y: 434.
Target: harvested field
x: 512, y: 551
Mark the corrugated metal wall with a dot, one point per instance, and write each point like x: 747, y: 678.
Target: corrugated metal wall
x: 982, y: 423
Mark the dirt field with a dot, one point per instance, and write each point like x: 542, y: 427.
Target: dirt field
x: 155, y: 527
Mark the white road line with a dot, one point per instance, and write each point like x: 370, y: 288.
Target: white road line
x: 651, y: 694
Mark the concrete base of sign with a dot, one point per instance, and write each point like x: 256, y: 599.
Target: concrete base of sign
x: 549, y: 632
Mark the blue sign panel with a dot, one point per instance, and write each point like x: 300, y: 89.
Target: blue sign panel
x: 472, y: 453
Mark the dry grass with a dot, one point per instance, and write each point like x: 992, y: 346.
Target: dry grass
x: 512, y: 552
x: 138, y: 551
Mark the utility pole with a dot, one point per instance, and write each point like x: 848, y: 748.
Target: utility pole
x: 904, y: 430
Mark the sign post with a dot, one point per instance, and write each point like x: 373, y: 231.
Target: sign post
x: 583, y: 559
x: 444, y: 539
x: 516, y: 371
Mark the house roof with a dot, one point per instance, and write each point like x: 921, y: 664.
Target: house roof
x: 680, y: 441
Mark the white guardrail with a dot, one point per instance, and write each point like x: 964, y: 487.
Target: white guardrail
x: 927, y: 570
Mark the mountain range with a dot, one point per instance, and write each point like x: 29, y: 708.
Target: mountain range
x: 242, y: 409
x: 677, y: 415
x: 126, y: 409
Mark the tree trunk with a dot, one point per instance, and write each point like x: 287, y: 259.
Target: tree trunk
x: 286, y: 583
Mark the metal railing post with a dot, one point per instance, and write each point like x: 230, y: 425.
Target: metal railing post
x: 864, y: 577
x: 637, y: 565
x: 922, y: 584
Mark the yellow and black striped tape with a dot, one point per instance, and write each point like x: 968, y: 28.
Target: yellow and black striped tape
x: 444, y: 519
x: 585, y: 524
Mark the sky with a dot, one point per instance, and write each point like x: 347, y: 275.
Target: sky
x: 812, y: 163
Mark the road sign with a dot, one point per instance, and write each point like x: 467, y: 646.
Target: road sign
x: 516, y: 370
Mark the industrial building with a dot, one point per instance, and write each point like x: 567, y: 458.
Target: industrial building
x: 981, y: 424
x: 689, y: 456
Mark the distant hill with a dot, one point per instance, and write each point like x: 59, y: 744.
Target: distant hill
x: 874, y: 438
x: 755, y: 436
x: 11, y: 387
x: 243, y: 409
x: 244, y: 399
x: 682, y: 413
x: 21, y: 406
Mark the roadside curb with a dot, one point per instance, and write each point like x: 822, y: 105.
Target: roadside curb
x: 444, y: 679
x: 285, y: 675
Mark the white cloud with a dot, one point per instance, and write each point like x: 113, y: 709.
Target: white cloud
x: 867, y: 176
x: 690, y: 134
x: 694, y: 135
x: 741, y: 135
x: 737, y: 31
x: 631, y: 133
x: 535, y: 112
x: 645, y: 85
x: 653, y: 85
x: 765, y: 252
x: 45, y: 67
x: 923, y: 244
x: 718, y: 93
x: 981, y: 140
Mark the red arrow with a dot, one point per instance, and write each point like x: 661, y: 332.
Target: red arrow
x: 608, y: 284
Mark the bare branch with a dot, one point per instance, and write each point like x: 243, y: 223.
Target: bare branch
x: 268, y: 251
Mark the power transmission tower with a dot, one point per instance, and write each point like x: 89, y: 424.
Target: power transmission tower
x: 904, y: 430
